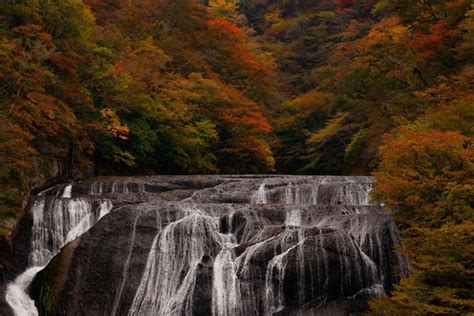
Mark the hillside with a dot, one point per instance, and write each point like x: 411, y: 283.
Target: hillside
x: 353, y: 87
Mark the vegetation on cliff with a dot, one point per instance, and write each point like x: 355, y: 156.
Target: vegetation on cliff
x: 315, y: 87
x: 387, y: 86
x: 125, y: 87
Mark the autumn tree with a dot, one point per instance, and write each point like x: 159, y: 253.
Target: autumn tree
x: 426, y: 175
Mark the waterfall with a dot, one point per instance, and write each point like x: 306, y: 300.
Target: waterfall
x: 293, y: 218
x: 260, y: 196
x: 321, y: 190
x: 170, y: 273
x: 67, y: 191
x: 297, y: 246
x: 116, y: 186
x: 289, y: 198
x: 221, y: 245
x: 125, y: 271
x: 225, y: 290
x: 274, y: 295
x: 57, y: 219
x: 17, y: 297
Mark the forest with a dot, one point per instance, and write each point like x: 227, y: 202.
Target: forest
x: 333, y: 87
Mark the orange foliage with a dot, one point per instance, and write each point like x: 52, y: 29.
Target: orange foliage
x: 113, y: 126
x: 421, y: 169
x: 436, y: 39
x: 246, y: 116
x: 230, y: 39
x: 249, y: 61
x: 223, y: 27
x: 118, y: 68
x: 248, y: 121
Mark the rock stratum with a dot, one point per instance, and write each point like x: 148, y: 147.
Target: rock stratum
x: 210, y: 245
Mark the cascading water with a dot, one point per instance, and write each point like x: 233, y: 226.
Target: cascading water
x: 170, y: 273
x: 57, y: 219
x: 16, y: 294
x: 125, y: 268
x: 225, y: 246
x: 226, y: 290
x: 260, y: 196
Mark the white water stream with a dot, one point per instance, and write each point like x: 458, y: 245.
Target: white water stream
x: 17, y: 297
x: 55, y: 223
x: 311, y: 256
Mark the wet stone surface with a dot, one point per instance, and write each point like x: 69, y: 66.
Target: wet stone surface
x: 212, y: 245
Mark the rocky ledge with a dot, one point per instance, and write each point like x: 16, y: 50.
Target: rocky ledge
x: 221, y: 245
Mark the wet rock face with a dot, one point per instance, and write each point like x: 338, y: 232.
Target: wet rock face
x: 214, y: 245
x: 100, y: 261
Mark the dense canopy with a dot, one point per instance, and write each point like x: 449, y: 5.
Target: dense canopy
x: 116, y: 87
